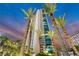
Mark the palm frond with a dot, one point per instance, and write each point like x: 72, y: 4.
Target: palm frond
x: 29, y: 13
x: 57, y: 20
x: 45, y: 8
x: 49, y: 8
x: 53, y: 8
x: 34, y: 10
x: 61, y: 21
x: 25, y: 12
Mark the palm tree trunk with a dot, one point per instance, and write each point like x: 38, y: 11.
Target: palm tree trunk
x: 25, y: 38
x: 56, y: 44
x: 70, y: 40
x: 58, y: 34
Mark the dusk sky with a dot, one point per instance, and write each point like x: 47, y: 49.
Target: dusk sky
x: 12, y: 18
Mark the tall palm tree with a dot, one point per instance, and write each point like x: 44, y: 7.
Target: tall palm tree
x: 61, y: 22
x: 50, y: 9
x: 29, y: 14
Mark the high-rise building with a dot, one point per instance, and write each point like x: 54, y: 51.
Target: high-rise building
x: 47, y: 40
x: 40, y: 41
x: 73, y: 30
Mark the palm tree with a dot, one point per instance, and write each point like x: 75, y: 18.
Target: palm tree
x: 50, y: 9
x: 29, y: 14
x: 61, y: 22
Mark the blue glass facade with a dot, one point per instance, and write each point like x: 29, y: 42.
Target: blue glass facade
x: 48, y: 41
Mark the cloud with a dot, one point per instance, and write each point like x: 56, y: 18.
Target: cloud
x: 73, y: 28
x: 9, y: 30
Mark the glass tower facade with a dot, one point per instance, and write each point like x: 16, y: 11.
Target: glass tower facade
x: 40, y: 40
x: 48, y: 40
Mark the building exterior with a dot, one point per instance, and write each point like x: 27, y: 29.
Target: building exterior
x: 40, y: 41
x: 47, y: 40
x: 35, y: 41
x: 75, y: 38
x: 73, y: 30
